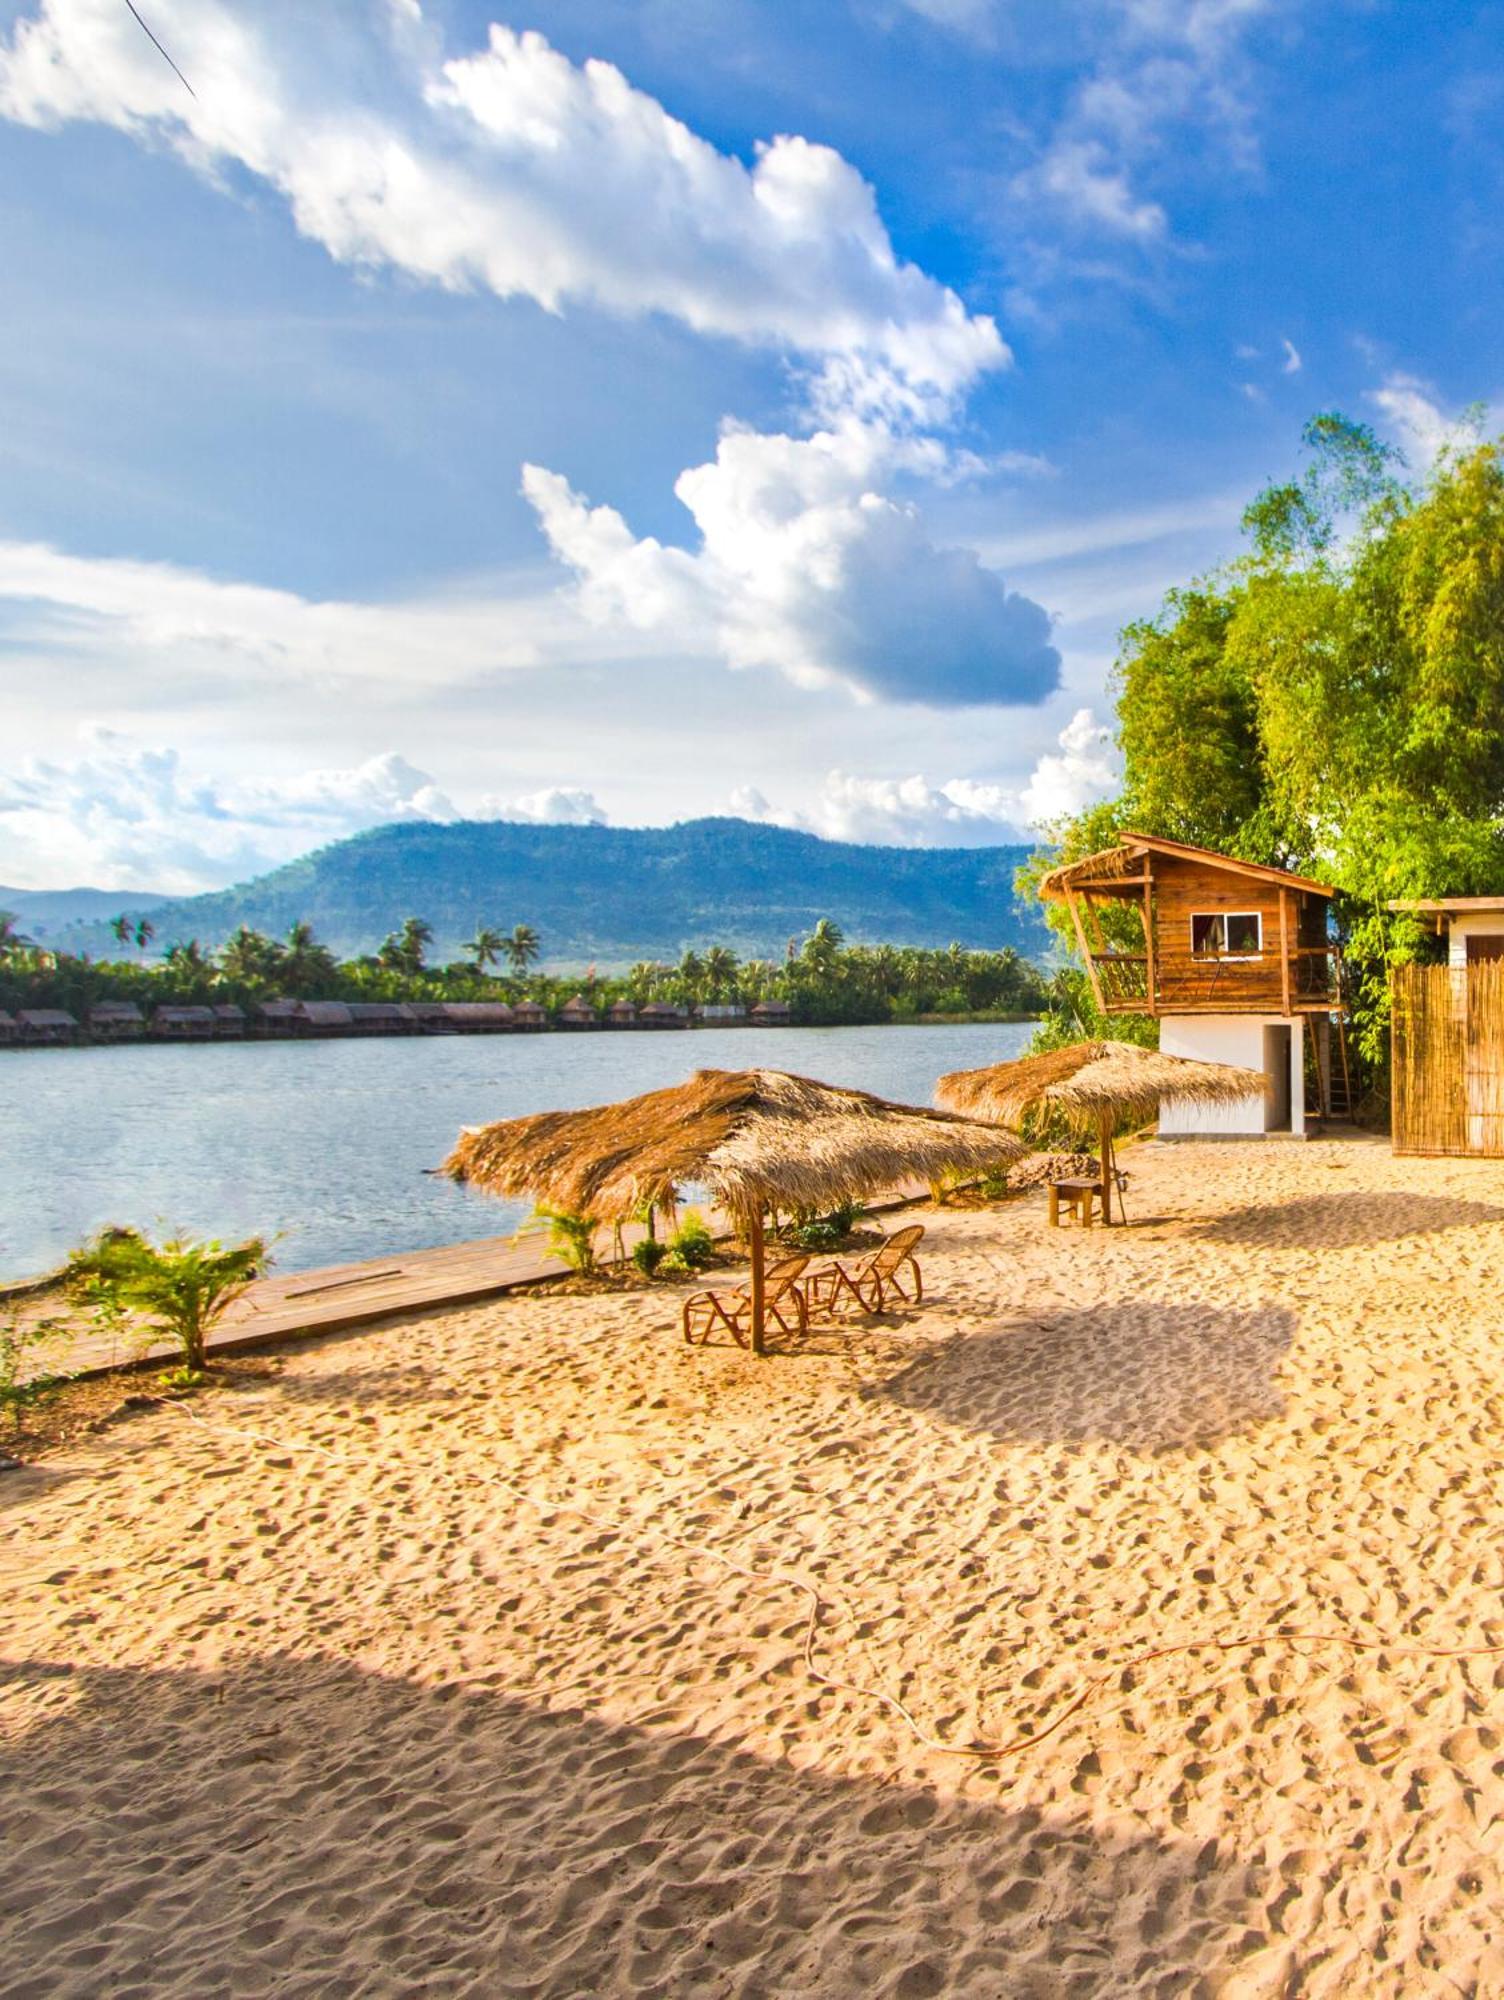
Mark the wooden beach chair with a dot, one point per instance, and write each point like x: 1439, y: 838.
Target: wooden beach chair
x: 704, y: 1311
x: 870, y: 1281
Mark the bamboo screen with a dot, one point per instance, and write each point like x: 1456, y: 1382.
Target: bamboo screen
x: 1448, y: 1025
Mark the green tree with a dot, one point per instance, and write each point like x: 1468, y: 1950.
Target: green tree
x: 251, y: 958
x: 522, y: 948
x: 485, y: 948
x: 720, y: 968
x: 11, y: 940
x: 180, y: 1288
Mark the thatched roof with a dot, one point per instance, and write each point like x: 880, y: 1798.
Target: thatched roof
x: 752, y: 1138
x: 1090, y: 1080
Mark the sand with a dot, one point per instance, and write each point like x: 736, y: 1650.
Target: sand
x: 418, y: 1688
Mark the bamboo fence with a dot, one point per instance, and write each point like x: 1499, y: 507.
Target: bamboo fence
x: 1447, y: 1030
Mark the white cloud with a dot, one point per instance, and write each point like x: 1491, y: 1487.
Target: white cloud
x: 1293, y: 363
x: 150, y: 627
x: 1415, y: 418
x: 805, y: 566
x: 123, y: 815
x: 513, y: 170
x: 1085, y: 770
x: 555, y: 805
x: 963, y: 812
x: 1163, y: 65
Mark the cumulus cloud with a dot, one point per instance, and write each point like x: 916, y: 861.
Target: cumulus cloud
x: 962, y: 812
x: 132, y: 816
x: 555, y: 805
x: 514, y: 170
x: 805, y: 566
x: 1292, y: 362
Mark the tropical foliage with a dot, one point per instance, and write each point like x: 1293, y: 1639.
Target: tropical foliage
x: 178, y: 1288
x: 822, y: 978
x: 1333, y: 700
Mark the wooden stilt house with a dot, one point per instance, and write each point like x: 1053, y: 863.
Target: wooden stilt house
x: 1235, y: 962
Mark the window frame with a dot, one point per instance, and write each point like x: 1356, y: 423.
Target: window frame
x: 1224, y: 918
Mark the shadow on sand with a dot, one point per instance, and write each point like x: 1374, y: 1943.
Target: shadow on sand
x: 1341, y: 1221
x: 1132, y: 1372
x: 298, y: 1826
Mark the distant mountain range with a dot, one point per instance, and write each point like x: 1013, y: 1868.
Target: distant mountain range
x: 607, y: 894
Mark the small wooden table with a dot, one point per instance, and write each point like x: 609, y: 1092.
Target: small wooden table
x: 1078, y: 1195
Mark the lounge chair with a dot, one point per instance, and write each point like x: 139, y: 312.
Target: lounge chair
x: 704, y: 1311
x: 871, y: 1280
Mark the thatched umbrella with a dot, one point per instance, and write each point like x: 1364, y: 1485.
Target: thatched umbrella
x: 754, y: 1139
x: 1095, y: 1084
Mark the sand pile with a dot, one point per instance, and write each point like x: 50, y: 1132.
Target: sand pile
x: 400, y: 1676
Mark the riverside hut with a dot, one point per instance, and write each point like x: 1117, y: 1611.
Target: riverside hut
x: 772, y: 1014
x: 380, y: 1017
x: 578, y: 1013
x: 182, y: 1024
x: 279, y: 1018
x: 116, y: 1021
x: 43, y: 1027
x: 663, y: 1014
x: 754, y: 1140
x: 327, y: 1017
x: 480, y: 1017
x: 529, y: 1014
x: 229, y: 1022
x: 7, y: 1028
x: 621, y: 1014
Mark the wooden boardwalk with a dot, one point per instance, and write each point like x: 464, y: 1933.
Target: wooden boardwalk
x: 304, y: 1303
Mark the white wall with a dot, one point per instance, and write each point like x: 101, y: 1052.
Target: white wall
x: 1486, y: 923
x: 1230, y: 1038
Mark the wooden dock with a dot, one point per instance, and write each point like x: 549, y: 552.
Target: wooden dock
x: 305, y: 1303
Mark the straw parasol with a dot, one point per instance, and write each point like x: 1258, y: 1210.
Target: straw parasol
x: 1095, y: 1083
x: 754, y: 1139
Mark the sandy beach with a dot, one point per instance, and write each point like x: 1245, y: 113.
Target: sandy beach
x: 431, y: 1662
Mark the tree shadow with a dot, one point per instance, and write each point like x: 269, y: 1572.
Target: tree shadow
x: 1343, y: 1221
x: 298, y: 1826
x: 1139, y: 1373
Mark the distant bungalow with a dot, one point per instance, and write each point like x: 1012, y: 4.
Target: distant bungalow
x: 622, y: 1014
x: 528, y: 1014
x: 578, y: 1013
x: 772, y: 1014
x: 116, y: 1021
x: 183, y: 1024
x: 663, y: 1014
x: 480, y: 1017
x: 45, y: 1026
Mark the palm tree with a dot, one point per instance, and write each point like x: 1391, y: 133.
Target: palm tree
x: 187, y: 957
x: 720, y: 970
x: 521, y: 948
x: 823, y: 945
x: 252, y: 957
x: 304, y: 963
x: 485, y: 947
x: 122, y: 929
x: 691, y: 975
x: 146, y: 930
x: 11, y: 939
x: 181, y: 1288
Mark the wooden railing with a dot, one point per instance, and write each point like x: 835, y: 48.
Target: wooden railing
x: 1241, y: 979
x: 1124, y: 979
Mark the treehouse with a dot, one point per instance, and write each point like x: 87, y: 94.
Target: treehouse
x: 1232, y: 958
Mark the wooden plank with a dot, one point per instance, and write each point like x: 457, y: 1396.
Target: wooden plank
x: 1149, y: 943
x: 1091, y: 970
x: 1284, y: 946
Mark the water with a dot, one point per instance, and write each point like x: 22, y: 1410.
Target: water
x: 323, y: 1144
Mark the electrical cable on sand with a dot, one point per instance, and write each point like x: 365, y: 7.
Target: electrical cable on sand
x: 784, y: 1579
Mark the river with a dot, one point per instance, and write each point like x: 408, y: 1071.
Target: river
x: 322, y: 1145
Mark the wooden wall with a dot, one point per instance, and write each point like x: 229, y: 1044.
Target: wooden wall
x: 1182, y: 980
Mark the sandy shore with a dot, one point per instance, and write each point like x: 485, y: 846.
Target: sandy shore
x: 394, y: 1672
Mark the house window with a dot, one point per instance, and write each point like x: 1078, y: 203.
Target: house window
x: 1228, y: 934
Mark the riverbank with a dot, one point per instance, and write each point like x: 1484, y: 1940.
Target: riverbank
x: 479, y: 1638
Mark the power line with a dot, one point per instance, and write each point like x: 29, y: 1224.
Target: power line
x: 162, y: 52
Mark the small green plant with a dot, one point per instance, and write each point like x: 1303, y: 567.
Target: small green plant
x: 21, y: 1342
x: 693, y: 1241
x: 674, y: 1264
x: 648, y: 1255
x: 178, y: 1287
x: 571, y: 1237
x: 845, y: 1218
x: 994, y: 1183
x: 817, y: 1234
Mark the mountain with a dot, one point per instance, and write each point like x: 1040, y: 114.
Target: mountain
x: 614, y: 894
x: 49, y: 914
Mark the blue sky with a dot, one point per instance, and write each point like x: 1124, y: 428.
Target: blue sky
x: 633, y: 411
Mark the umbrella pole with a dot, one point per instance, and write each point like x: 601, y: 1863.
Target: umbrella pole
x: 754, y: 1244
x: 1105, y: 1149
